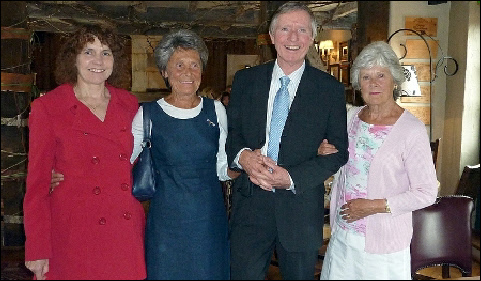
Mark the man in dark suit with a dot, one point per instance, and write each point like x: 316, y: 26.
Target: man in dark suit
x: 280, y: 204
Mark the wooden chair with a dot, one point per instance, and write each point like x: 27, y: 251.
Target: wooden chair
x: 434, y: 150
x: 469, y: 186
x: 442, y: 236
x: 469, y: 182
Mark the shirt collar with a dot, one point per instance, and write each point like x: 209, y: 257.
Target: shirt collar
x: 278, y: 72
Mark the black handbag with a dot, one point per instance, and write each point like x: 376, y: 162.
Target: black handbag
x: 143, y: 171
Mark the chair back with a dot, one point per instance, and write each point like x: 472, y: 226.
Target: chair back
x: 469, y: 182
x: 442, y: 235
x: 434, y: 150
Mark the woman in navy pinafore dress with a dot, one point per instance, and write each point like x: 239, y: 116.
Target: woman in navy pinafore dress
x: 187, y: 230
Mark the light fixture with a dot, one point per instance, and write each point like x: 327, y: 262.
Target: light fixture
x: 325, y: 48
x: 326, y: 45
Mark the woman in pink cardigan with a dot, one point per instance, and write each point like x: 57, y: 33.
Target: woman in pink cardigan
x: 389, y: 174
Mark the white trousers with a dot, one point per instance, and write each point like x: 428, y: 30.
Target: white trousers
x: 346, y: 259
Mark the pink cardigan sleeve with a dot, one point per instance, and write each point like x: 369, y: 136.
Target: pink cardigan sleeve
x: 406, y: 167
x: 403, y: 172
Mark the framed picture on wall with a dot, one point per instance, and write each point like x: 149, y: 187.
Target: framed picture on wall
x: 344, y: 72
x: 410, y: 86
x: 343, y: 51
x: 334, y: 70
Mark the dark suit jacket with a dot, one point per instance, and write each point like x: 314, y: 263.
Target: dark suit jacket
x: 318, y: 111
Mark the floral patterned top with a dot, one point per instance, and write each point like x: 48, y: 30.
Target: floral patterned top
x: 364, y: 141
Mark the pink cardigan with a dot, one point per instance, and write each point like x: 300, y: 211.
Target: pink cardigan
x: 403, y: 172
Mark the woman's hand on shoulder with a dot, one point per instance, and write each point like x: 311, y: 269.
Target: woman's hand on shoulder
x: 38, y: 267
x: 56, y: 179
x: 325, y: 148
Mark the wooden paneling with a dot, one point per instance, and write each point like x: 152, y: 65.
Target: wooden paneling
x: 215, y: 73
x: 417, y: 49
x: 15, y: 55
x: 13, y: 233
x: 145, y: 74
x: 44, y: 51
x: 15, y: 104
x: 17, y: 81
x: 423, y: 113
x: 238, y: 62
x: 373, y: 20
x: 15, y: 33
x: 14, y: 147
x: 15, y: 40
x: 428, y: 26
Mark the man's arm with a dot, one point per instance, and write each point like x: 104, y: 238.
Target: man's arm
x: 315, y: 171
x: 241, y: 153
x: 235, y: 141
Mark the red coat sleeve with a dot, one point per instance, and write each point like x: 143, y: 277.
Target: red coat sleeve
x: 36, y: 205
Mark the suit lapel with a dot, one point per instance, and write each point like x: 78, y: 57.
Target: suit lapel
x: 303, y: 92
x: 262, y: 98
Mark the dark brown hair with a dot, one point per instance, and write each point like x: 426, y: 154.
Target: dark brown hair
x: 66, y: 71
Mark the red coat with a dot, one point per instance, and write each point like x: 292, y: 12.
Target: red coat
x: 90, y: 226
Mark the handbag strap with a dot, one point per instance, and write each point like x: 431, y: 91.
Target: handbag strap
x: 146, y: 118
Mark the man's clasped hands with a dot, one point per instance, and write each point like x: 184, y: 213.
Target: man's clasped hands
x: 264, y: 171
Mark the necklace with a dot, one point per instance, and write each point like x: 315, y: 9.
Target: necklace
x: 93, y: 108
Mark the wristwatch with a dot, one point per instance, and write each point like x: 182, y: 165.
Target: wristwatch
x: 387, y: 209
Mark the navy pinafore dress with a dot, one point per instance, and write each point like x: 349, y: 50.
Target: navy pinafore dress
x: 186, y: 232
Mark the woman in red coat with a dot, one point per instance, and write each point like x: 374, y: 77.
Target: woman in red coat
x: 91, y: 227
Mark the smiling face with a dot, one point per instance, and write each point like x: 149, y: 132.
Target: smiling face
x: 377, y: 85
x: 94, y: 63
x: 292, y: 37
x: 184, y: 72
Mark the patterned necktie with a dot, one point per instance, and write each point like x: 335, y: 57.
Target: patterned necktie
x: 280, y: 110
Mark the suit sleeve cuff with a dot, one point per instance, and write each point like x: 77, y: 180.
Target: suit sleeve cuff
x: 235, y: 164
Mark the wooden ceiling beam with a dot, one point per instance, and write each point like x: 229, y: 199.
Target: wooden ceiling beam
x: 154, y: 15
x: 226, y: 22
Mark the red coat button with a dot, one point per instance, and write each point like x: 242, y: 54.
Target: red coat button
x: 95, y: 160
x: 127, y: 215
x: 96, y: 190
x: 102, y: 221
x: 123, y: 129
x: 123, y: 156
x: 124, y: 186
